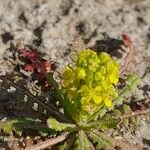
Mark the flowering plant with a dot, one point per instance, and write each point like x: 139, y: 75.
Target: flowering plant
x: 90, y: 89
x: 90, y: 83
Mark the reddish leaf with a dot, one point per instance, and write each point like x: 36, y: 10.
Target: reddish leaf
x: 28, y: 67
x: 41, y: 65
x: 31, y: 55
x: 37, y: 65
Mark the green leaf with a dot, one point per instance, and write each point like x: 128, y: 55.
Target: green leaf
x: 51, y: 81
x: 126, y: 109
x: 18, y: 124
x: 101, y: 141
x: 68, y: 145
x: 45, y: 131
x: 56, y: 125
x: 82, y: 142
x: 135, y: 121
x: 132, y: 81
x: 8, y: 126
x: 131, y: 84
x: 108, y: 123
x: 57, y: 93
x: 100, y: 113
x: 63, y: 147
x: 117, y: 113
x: 57, y: 90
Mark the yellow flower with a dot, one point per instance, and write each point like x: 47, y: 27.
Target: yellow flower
x: 90, y: 83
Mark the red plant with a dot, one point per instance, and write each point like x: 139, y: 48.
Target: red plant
x: 38, y: 66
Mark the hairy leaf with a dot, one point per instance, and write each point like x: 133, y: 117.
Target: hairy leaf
x: 63, y: 147
x: 82, y: 142
x: 104, y: 124
x: 126, y: 109
x: 130, y: 84
x: 9, y: 126
x: 18, y: 124
x: 101, y: 141
x: 56, y: 125
x: 108, y: 123
x: 68, y: 145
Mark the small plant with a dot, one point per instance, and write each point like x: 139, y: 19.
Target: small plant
x: 36, y: 66
x: 90, y: 96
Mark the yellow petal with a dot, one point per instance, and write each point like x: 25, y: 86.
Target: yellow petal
x: 97, y: 99
x: 108, y: 102
x: 113, y: 79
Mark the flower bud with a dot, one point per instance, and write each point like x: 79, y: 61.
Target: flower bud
x: 81, y: 73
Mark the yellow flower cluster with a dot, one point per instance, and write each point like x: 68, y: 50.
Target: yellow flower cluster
x: 90, y: 83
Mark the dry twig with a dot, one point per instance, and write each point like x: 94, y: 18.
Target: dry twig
x: 49, y: 142
x: 130, y: 55
x: 136, y: 113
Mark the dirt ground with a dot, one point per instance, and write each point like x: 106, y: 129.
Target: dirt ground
x: 57, y: 28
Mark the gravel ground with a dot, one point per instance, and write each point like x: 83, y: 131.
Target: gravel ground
x: 57, y: 28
